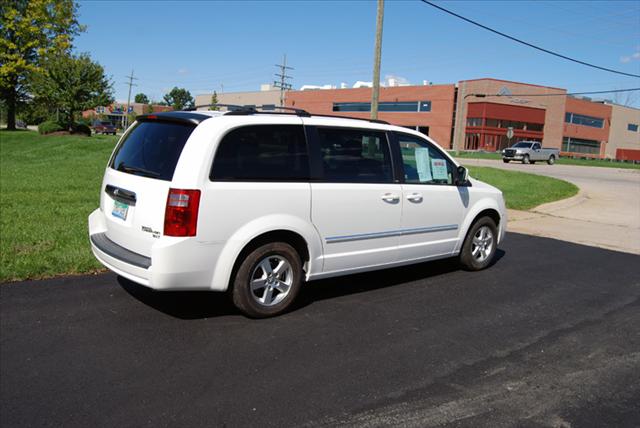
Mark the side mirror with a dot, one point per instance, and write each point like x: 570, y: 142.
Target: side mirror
x: 462, y: 176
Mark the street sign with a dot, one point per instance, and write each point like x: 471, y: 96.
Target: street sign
x: 510, y: 132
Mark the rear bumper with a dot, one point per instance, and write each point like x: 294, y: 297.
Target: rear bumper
x: 175, y: 263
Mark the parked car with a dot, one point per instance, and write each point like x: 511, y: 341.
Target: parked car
x: 530, y: 152
x: 257, y: 203
x: 104, y: 127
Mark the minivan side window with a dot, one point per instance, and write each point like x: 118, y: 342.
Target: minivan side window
x: 423, y: 163
x: 262, y: 153
x: 355, y: 155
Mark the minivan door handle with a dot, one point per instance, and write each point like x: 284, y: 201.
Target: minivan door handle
x: 390, y: 197
x: 414, y: 197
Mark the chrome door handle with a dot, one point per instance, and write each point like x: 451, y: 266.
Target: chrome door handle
x: 390, y: 197
x: 414, y: 197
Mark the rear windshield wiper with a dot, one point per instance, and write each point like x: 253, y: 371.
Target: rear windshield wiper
x: 137, y: 170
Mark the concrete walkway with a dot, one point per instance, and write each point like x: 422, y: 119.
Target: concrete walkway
x: 605, y: 213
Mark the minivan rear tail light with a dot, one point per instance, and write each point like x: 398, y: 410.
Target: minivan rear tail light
x: 181, y: 213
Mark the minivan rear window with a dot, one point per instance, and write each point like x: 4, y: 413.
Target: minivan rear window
x: 152, y: 149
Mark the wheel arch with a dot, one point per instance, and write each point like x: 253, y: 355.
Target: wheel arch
x: 486, y: 209
x: 295, y: 232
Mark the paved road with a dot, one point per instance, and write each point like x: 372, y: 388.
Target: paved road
x: 547, y: 336
x: 605, y: 214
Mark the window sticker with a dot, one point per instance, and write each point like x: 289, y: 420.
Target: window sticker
x: 439, y: 169
x: 422, y: 164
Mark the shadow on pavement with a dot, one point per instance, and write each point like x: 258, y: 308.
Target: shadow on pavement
x: 206, y: 304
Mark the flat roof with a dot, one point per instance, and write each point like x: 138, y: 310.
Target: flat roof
x: 511, y: 81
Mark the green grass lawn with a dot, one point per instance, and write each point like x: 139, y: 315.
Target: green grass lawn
x: 49, y: 185
x: 561, y: 161
x: 524, y: 191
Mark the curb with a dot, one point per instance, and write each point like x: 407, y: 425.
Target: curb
x: 572, y: 201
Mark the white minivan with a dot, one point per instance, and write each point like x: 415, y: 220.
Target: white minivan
x: 258, y: 202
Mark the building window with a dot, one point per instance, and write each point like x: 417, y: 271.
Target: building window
x: 633, y: 127
x: 474, y: 121
x: 535, y: 127
x: 577, y: 145
x: 580, y: 119
x: 387, y: 106
x: 493, y: 123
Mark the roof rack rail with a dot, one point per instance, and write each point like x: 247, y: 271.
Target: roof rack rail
x: 235, y: 109
x: 268, y: 108
x: 383, y: 122
x: 241, y: 110
x: 231, y: 107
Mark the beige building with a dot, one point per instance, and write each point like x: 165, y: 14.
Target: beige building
x: 624, y: 134
x: 510, y: 95
x: 254, y: 98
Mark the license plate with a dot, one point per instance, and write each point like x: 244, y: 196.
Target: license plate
x: 120, y: 210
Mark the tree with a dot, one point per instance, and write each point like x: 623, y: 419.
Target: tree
x: 149, y: 108
x: 214, y: 100
x: 179, y: 99
x: 141, y: 98
x: 73, y: 84
x: 30, y: 32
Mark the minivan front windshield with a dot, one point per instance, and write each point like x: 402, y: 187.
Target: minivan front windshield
x: 152, y: 149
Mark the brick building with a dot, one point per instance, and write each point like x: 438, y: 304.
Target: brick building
x: 428, y: 109
x: 477, y: 115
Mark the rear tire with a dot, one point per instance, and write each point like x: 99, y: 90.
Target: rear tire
x: 526, y: 159
x: 268, y: 280
x: 479, y: 247
x: 551, y: 160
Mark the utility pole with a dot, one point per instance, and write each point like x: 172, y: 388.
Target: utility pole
x: 282, y: 83
x: 376, y: 61
x: 125, y: 116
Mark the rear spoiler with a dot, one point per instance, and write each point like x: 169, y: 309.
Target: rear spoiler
x: 174, y: 116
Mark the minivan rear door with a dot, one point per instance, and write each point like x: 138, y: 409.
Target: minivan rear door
x: 356, y: 203
x: 137, y: 181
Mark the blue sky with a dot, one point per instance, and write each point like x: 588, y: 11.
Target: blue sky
x: 203, y: 45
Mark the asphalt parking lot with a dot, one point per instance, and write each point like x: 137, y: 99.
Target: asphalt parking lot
x: 548, y: 336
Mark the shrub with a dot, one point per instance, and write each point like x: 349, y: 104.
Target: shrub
x: 48, y: 127
x: 81, y: 128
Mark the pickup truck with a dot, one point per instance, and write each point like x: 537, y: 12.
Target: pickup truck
x: 529, y: 152
x: 104, y: 127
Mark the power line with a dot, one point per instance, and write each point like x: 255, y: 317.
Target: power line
x: 282, y: 83
x: 555, y: 94
x: 527, y: 43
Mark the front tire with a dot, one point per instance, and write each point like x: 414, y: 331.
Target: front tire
x: 505, y: 160
x: 268, y: 280
x: 551, y: 160
x: 479, y: 247
x: 526, y: 159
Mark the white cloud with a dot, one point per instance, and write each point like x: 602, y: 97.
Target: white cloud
x: 633, y: 57
x: 183, y: 71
